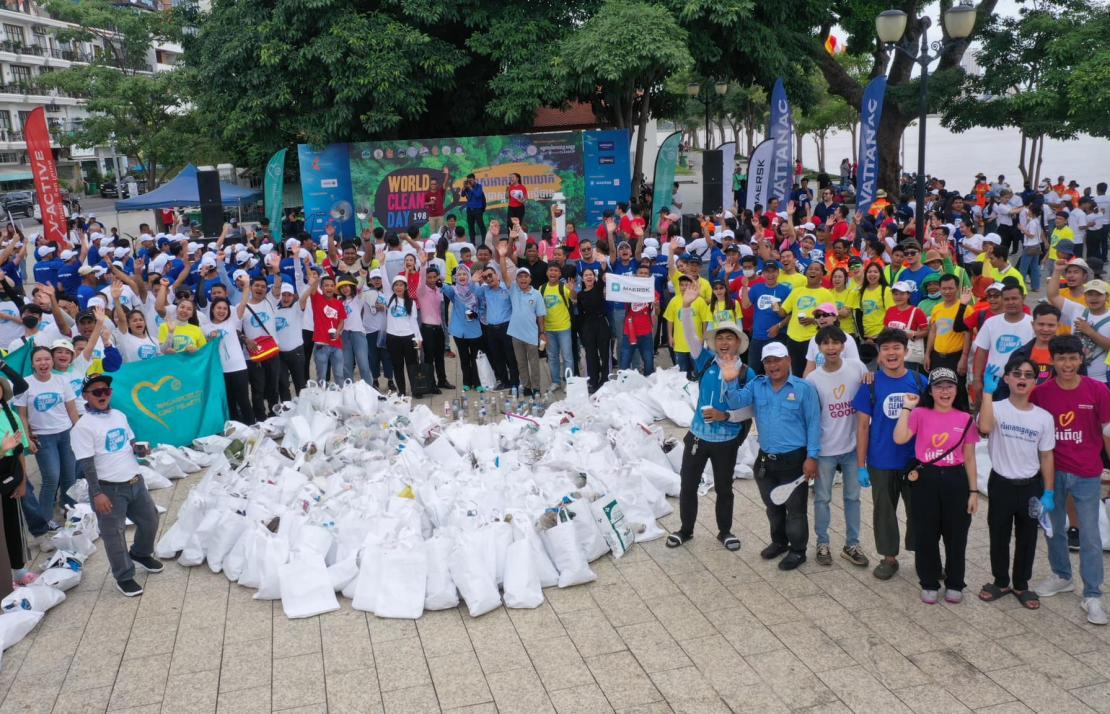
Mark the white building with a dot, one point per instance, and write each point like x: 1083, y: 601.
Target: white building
x: 28, y: 49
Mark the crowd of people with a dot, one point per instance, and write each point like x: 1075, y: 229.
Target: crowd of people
x: 889, y: 354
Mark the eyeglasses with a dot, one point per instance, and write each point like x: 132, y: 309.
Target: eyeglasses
x: 101, y: 392
x: 1023, y: 374
x: 819, y: 315
x: 911, y: 252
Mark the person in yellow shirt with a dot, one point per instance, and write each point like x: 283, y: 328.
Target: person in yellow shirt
x: 689, y: 265
x: 874, y: 298
x: 789, y: 274
x: 997, y: 267
x: 797, y: 311
x: 1062, y: 231
x: 722, y: 306
x: 945, y: 347
x: 557, y: 297
x: 182, y: 333
x: 678, y: 337
x: 846, y: 300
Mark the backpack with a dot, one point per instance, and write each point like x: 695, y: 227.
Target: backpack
x: 916, y: 383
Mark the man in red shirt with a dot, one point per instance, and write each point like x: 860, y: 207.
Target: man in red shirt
x: 433, y: 202
x: 328, y: 315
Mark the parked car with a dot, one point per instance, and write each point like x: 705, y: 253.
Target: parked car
x: 18, y: 203
x: 72, y: 206
x: 111, y: 189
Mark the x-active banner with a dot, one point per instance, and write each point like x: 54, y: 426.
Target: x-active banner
x: 759, y: 175
x: 47, y: 188
x: 275, y: 193
x: 666, y: 163
x: 782, y: 133
x: 326, y: 189
x: 867, y: 171
x: 629, y: 288
x: 175, y: 398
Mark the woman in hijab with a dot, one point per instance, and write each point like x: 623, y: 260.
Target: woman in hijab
x: 13, y: 484
x: 465, y: 327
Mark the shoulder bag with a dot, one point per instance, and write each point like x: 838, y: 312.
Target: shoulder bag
x: 265, y: 347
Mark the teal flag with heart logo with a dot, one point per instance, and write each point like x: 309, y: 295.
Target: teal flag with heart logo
x: 173, y: 399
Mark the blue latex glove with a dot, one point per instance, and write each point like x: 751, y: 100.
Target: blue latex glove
x: 991, y: 376
x: 865, y: 477
x: 1048, y: 501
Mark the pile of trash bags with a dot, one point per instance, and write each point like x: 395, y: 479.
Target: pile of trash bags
x: 348, y: 491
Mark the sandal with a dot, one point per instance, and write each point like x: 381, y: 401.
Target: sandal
x: 677, y: 538
x: 1029, y: 599
x: 992, y: 592
x: 730, y: 541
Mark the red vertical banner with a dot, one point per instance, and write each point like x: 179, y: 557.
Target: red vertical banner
x: 47, y: 188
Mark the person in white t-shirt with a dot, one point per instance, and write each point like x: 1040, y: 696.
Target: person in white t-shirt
x: 836, y: 382
x: 1022, y: 439
x: 1091, y: 322
x: 827, y: 316
x: 49, y: 410
x: 258, y: 315
x: 289, y: 323
x: 223, y: 323
x: 374, y: 298
x: 133, y: 336
x: 104, y: 444
x: 1002, y: 334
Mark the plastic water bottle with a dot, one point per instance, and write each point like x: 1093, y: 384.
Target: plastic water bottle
x: 508, y: 408
x: 482, y: 414
x: 447, y: 409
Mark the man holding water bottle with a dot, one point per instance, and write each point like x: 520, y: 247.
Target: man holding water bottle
x: 779, y: 398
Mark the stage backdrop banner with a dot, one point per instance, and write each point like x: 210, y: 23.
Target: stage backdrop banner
x: 608, y: 172
x: 666, y: 163
x: 47, y: 189
x: 871, y: 112
x: 759, y: 175
x: 326, y: 188
x: 173, y: 399
x: 275, y: 193
x: 629, y: 288
x: 782, y: 133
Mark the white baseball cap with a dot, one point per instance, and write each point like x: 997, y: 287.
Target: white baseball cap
x: 992, y: 238
x: 774, y: 349
x: 649, y: 253
x: 44, y: 250
x: 122, y: 252
x: 239, y: 274
x: 375, y: 273
x: 67, y: 254
x: 902, y: 286
x: 430, y: 245
x: 287, y: 288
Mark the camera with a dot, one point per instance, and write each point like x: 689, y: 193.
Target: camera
x: 471, y: 315
x: 332, y: 333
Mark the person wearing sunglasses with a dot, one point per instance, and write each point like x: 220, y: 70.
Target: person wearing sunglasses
x: 914, y: 271
x: 1021, y: 440
x: 105, y: 447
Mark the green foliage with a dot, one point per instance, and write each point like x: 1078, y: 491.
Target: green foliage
x: 140, y: 112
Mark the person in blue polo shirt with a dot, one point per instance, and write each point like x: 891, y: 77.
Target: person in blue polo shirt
x: 881, y: 461
x: 779, y: 398
x: 495, y: 310
x: 716, y: 432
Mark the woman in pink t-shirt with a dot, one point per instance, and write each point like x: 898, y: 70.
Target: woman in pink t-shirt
x: 944, y: 495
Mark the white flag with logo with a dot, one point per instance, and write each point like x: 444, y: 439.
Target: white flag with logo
x: 629, y: 288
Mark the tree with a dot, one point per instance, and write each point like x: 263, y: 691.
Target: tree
x: 622, y: 78
x: 140, y: 112
x: 747, y: 110
x: 1035, y: 67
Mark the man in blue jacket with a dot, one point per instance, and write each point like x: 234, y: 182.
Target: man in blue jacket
x: 475, y: 198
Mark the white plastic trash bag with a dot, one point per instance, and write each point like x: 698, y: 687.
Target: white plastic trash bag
x: 610, y: 521
x: 61, y: 578
x: 1104, y: 524
x: 590, y: 539
x: 38, y: 598
x: 440, y: 592
x: 522, y: 581
x: 306, y: 589
x: 485, y: 371
x: 473, y: 576
x: 404, y: 580
x: 562, y: 544
x: 16, y: 625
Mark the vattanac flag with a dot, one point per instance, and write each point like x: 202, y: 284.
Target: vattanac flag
x: 867, y: 164
x: 782, y: 134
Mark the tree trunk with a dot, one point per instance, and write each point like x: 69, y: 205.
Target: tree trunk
x: 890, y: 137
x: 641, y: 138
x: 1021, y: 160
x: 819, y: 140
x: 855, y: 136
x: 1040, y: 159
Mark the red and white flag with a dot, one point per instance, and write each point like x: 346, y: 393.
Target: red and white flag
x: 47, y: 189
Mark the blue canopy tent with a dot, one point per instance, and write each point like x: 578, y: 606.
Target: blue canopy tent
x: 182, y: 191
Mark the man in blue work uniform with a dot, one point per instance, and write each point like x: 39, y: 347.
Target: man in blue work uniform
x: 474, y: 196
x: 716, y: 432
x: 778, y: 398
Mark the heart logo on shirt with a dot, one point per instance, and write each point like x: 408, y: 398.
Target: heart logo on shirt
x: 839, y: 391
x: 1066, y: 419
x: 940, y: 440
x: 175, y: 385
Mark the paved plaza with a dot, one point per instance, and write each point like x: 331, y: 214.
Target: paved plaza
x: 695, y: 629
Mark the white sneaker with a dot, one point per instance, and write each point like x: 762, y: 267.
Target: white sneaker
x: 1093, y: 607
x: 1052, y: 585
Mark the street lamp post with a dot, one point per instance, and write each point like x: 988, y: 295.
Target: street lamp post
x: 694, y: 91
x: 890, y: 25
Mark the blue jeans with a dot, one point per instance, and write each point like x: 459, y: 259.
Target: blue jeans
x: 644, y: 348
x: 685, y: 362
x: 32, y: 513
x: 1085, y: 491
x: 616, y: 323
x: 1030, y: 268
x: 356, y: 351
x: 325, y: 355
x: 58, y: 469
x: 559, y: 356
x: 822, y: 496
x: 378, y: 357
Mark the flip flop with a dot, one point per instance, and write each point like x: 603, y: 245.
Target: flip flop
x: 1029, y: 600
x: 676, y: 539
x: 992, y: 592
x: 730, y: 542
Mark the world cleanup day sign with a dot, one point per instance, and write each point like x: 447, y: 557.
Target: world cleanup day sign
x: 389, y: 179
